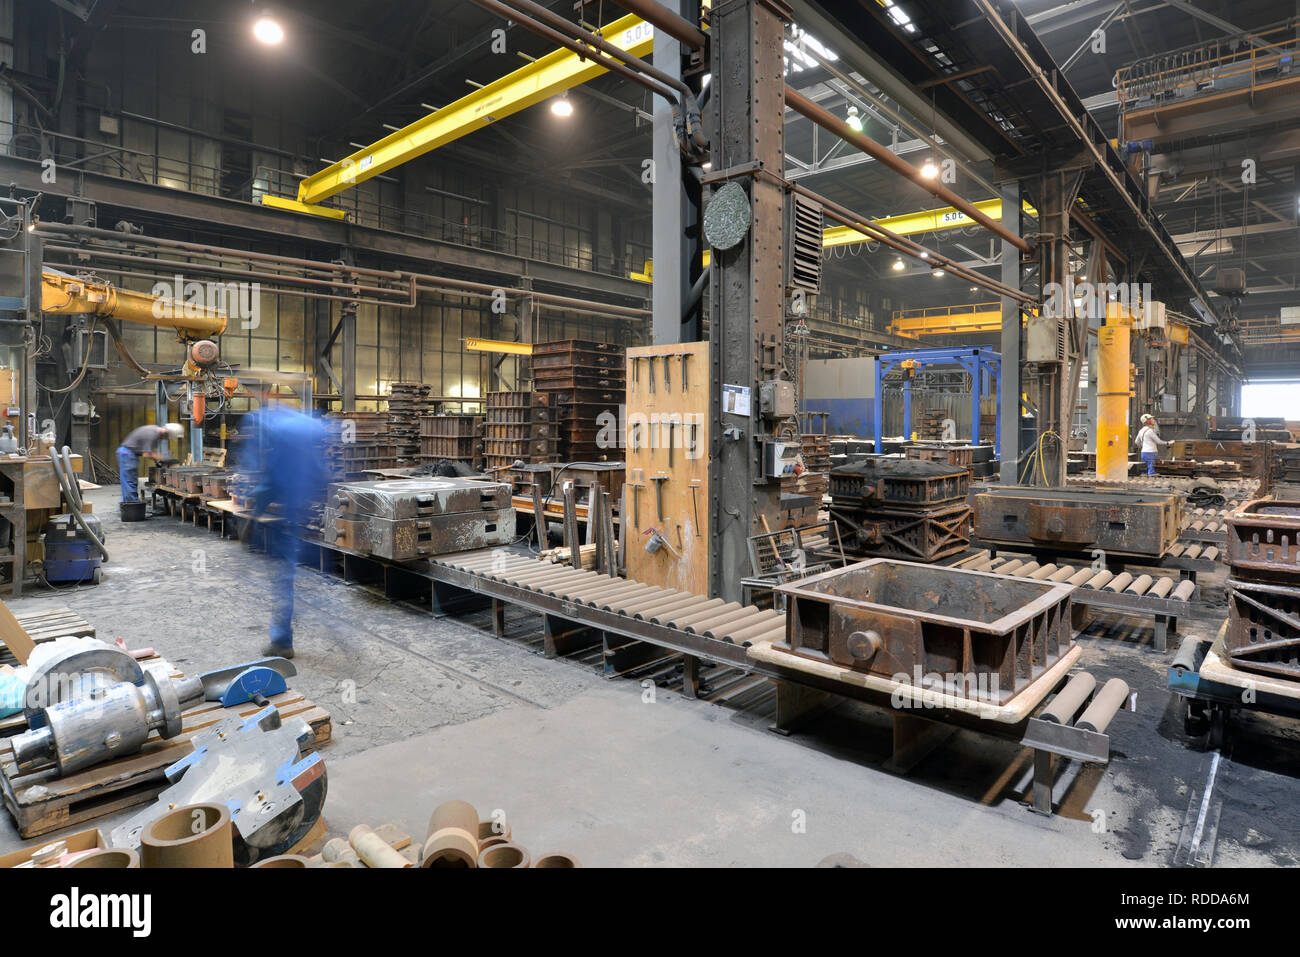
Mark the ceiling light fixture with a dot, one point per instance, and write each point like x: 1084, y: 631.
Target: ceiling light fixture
x: 267, y: 30
x: 937, y: 274
x: 898, y: 265
x: 562, y: 105
x: 854, y: 120
x: 929, y: 170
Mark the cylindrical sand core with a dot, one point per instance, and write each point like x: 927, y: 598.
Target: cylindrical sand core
x: 452, y: 837
x: 196, y: 835
x: 374, y: 850
x: 283, y: 860
x: 109, y: 857
x: 556, y: 859
x: 504, y: 856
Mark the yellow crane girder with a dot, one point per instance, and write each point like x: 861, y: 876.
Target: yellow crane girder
x: 539, y: 80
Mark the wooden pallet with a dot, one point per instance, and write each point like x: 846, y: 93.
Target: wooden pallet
x: 40, y: 802
x: 47, y: 625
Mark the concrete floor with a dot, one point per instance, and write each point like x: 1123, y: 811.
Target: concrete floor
x: 628, y: 772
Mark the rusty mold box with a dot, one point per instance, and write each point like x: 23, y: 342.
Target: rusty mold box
x: 988, y: 635
x: 1264, y: 540
x: 1141, y: 524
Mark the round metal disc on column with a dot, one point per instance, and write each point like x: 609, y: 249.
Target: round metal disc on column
x: 727, y: 219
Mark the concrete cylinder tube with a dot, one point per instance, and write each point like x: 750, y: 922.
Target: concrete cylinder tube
x: 1105, y: 706
x: 504, y: 856
x: 194, y: 835
x: 108, y: 857
x: 339, y: 851
x: 557, y: 859
x: 452, y: 839
x: 374, y: 850
x: 1072, y: 697
x: 487, y: 830
x: 284, y: 860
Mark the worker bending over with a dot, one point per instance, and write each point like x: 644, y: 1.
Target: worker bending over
x: 1150, y: 441
x: 142, y: 443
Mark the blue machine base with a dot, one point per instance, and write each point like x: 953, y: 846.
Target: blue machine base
x: 66, y: 563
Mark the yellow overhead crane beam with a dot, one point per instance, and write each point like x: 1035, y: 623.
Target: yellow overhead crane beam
x: 925, y: 221
x: 65, y: 295
x: 499, y: 345
x: 539, y: 80
x: 947, y: 320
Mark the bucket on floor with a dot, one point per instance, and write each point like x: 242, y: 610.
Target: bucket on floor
x: 134, y: 511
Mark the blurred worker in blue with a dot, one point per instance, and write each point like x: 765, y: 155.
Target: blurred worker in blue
x: 142, y: 443
x: 285, y: 454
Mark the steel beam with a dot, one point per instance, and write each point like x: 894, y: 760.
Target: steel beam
x: 747, y: 289
x: 1009, y: 388
x: 670, y: 285
x: 205, y: 212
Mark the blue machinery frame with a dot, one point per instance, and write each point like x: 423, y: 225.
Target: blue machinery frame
x: 978, y: 362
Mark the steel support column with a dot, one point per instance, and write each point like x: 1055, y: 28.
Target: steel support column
x: 1009, y: 385
x: 668, y: 247
x: 746, y: 123
x: 1058, y: 382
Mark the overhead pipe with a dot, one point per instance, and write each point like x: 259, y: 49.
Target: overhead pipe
x: 116, y: 236
x: 587, y: 51
x: 902, y: 244
x: 661, y: 18
x: 829, y: 121
x: 247, y: 274
x: 586, y: 36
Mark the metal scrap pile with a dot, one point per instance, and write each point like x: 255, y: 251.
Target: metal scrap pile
x: 901, y: 508
x: 1264, y: 587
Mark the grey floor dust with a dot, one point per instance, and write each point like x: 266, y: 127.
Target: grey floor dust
x: 626, y: 771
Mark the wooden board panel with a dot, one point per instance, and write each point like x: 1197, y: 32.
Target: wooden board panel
x: 666, y: 435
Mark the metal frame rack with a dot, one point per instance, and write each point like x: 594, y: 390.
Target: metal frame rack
x: 980, y: 363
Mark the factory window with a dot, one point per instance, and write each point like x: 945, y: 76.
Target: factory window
x: 1271, y: 400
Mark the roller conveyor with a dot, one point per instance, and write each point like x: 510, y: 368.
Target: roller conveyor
x: 1165, y: 598
x: 693, y: 624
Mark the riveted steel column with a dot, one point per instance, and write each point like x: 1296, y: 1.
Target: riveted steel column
x: 1009, y: 386
x: 747, y: 137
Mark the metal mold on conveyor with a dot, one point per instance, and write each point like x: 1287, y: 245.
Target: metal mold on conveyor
x: 993, y: 634
x: 1078, y: 520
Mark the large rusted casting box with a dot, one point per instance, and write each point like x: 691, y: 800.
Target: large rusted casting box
x: 1263, y: 631
x: 1137, y: 524
x: 922, y: 624
x: 1264, y: 541
x: 405, y: 519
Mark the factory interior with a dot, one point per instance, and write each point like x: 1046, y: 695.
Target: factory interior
x: 650, y: 434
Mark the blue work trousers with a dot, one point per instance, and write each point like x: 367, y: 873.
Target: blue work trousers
x: 285, y: 548
x: 128, y: 470
x: 1150, y: 459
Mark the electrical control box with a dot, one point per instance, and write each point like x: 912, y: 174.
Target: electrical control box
x: 782, y: 458
x: 776, y: 399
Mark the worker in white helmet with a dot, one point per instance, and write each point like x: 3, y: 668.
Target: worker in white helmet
x: 1150, y: 441
x: 142, y: 443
